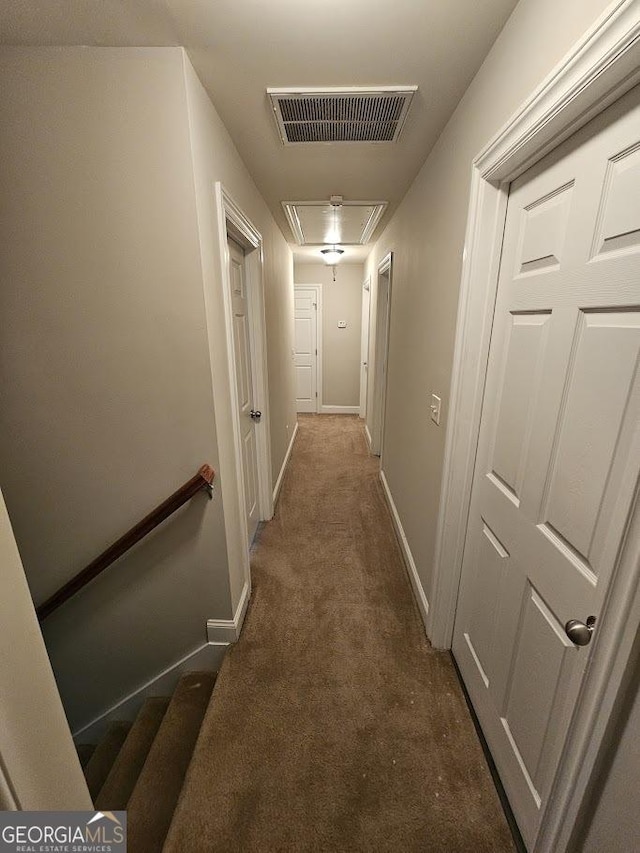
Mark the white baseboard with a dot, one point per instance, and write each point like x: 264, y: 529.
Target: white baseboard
x: 278, y: 485
x: 412, y: 571
x: 368, y: 435
x: 339, y: 410
x: 207, y: 657
x: 227, y: 631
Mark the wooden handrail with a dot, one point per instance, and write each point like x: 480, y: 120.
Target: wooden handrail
x: 202, y: 480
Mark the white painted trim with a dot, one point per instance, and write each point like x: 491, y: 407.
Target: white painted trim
x: 287, y: 456
x: 253, y: 270
x: 600, y: 68
x: 367, y: 435
x: 381, y: 357
x: 207, y: 657
x: 232, y: 222
x: 340, y: 410
x: 384, y: 266
x: 410, y: 563
x: 290, y: 210
x: 227, y: 631
x: 365, y: 334
x: 319, y: 339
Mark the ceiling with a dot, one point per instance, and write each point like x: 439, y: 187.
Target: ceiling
x: 239, y: 48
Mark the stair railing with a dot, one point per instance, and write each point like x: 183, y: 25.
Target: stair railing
x: 201, y: 481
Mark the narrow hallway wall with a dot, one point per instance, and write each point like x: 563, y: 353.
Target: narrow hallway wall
x: 106, y: 380
x: 426, y: 235
x: 341, y: 300
x: 216, y: 159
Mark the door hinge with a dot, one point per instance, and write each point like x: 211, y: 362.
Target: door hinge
x: 316, y: 352
x: 316, y: 393
x: 315, y: 305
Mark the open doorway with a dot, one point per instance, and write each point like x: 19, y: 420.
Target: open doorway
x: 381, y: 343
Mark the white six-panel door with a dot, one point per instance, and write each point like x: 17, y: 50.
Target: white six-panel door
x: 306, y: 349
x: 559, y: 452
x: 364, y: 347
x: 244, y: 384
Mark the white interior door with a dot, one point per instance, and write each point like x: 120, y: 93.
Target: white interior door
x: 559, y: 452
x: 364, y: 347
x: 383, y: 311
x: 247, y: 417
x: 306, y: 349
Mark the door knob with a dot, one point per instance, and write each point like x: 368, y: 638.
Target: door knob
x: 255, y: 415
x: 578, y: 632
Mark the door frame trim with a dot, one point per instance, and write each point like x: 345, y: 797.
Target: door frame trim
x: 599, y: 69
x: 318, y: 290
x: 232, y: 222
x: 381, y: 339
x: 364, y: 350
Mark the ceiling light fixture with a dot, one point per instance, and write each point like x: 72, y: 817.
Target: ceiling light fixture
x: 332, y: 256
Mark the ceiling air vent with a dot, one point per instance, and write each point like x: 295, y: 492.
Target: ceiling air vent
x: 341, y: 115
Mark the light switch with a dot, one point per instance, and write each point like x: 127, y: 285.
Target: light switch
x: 436, y: 402
x: 342, y: 324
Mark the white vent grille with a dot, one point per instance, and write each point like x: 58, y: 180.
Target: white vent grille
x: 340, y: 115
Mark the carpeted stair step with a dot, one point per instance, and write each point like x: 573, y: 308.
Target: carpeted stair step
x: 151, y: 806
x: 104, y: 755
x: 85, y: 751
x: 119, y: 784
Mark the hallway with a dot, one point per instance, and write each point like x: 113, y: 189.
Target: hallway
x: 334, y: 726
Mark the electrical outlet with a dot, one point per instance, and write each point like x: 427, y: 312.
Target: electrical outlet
x: 342, y: 324
x: 436, y: 403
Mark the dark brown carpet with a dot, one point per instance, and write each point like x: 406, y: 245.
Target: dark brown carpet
x: 158, y: 786
x: 333, y: 725
x: 119, y: 784
x: 103, y: 756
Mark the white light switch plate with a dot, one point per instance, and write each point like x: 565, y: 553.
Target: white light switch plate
x: 436, y: 402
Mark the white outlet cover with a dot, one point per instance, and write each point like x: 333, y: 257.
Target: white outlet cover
x: 342, y: 324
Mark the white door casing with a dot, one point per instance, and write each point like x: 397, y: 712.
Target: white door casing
x: 244, y: 384
x: 559, y: 448
x: 308, y: 347
x: 381, y: 360
x: 232, y: 222
x: 364, y: 346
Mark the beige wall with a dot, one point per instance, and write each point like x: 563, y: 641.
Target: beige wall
x: 216, y: 159
x: 39, y: 769
x: 426, y: 236
x: 341, y: 300
x: 106, y: 372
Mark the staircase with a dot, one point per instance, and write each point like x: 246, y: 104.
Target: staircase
x: 141, y: 766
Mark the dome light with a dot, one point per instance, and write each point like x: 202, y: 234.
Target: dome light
x: 332, y: 256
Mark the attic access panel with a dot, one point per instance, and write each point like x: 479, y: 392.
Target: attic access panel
x: 318, y: 223
x: 364, y: 114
